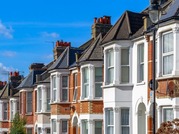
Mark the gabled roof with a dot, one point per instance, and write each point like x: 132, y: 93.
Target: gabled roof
x: 86, y: 44
x: 126, y: 27
x: 93, y: 52
x: 66, y: 59
x: 29, y: 81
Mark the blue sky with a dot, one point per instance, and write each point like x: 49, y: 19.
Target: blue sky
x: 28, y: 27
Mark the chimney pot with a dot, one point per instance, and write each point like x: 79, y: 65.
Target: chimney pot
x: 95, y: 20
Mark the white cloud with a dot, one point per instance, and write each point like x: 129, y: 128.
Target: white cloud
x: 9, y: 53
x: 50, y: 56
x: 5, y: 31
x: 4, y: 72
x: 51, y: 35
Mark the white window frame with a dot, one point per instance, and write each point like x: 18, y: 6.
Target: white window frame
x: 75, y: 88
x: 62, y: 129
x: 125, y: 65
x: 125, y: 125
x: 140, y: 63
x: 98, y: 82
x: 85, y: 91
x: 39, y: 99
x: 167, y: 54
x: 163, y: 112
x: 54, y: 88
x: 107, y: 121
x: 12, y: 114
x: 109, y: 58
x: 29, y: 111
x: 64, y: 88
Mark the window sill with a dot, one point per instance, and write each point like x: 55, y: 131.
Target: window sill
x: 83, y: 100
x: 46, y: 112
x: 53, y: 103
x: 141, y: 83
x: 28, y: 114
x: 167, y: 77
x: 4, y: 120
x: 118, y: 85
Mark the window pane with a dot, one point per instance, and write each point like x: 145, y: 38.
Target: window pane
x: 48, y: 99
x: 124, y: 116
x: 75, y: 95
x: 64, y: 94
x: 86, y: 90
x: 110, y: 120
x: 98, y: 90
x: 125, y: 74
x: 110, y: 58
x: 98, y: 74
x: 29, y: 130
x: 110, y: 75
x: 29, y: 102
x: 64, y: 126
x: 85, y: 127
x: 98, y: 127
x: 5, y: 111
x: 168, y: 114
x: 167, y: 42
x: 64, y: 81
x: 54, y: 81
x: 168, y: 64
x: 54, y: 126
x: 125, y: 57
x: 125, y: 130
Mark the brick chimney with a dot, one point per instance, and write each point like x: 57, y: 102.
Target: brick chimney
x: 101, y: 25
x: 36, y: 66
x: 59, y: 48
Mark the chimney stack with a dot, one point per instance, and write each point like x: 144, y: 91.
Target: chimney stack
x: 101, y: 25
x: 60, y: 47
x: 36, y: 66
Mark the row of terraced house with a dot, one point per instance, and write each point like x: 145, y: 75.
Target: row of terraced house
x: 101, y: 87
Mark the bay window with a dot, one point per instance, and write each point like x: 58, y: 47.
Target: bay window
x: 29, y: 102
x: 125, y: 121
x: 167, y: 53
x: 140, y: 72
x: 109, y: 121
x: 64, y: 93
x: 125, y: 66
x: 110, y: 65
x: 98, y: 82
x: 85, y: 87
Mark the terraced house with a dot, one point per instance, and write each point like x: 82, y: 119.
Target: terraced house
x: 101, y: 87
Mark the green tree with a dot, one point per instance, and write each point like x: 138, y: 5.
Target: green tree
x: 18, y: 125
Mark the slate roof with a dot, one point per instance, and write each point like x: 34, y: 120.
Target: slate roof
x: 172, y: 10
x: 93, y: 52
x: 66, y: 59
x: 29, y: 81
x: 128, y: 26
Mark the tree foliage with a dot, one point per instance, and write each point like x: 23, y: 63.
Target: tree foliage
x: 169, y: 127
x: 18, y: 125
